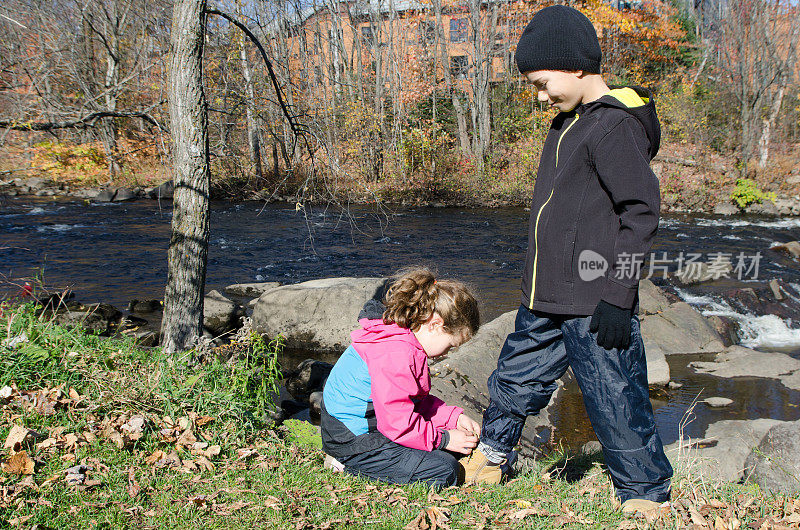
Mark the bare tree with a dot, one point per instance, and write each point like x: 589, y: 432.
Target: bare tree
x: 757, y: 47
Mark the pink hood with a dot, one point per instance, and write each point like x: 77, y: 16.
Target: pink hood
x: 400, y: 381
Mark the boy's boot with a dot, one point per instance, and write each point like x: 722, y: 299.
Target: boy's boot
x: 479, y: 470
x: 643, y: 507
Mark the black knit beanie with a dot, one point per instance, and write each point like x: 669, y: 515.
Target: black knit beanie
x: 559, y: 38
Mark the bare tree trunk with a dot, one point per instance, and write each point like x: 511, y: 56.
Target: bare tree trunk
x: 483, y: 41
x: 252, y: 127
x: 769, y: 124
x: 188, y: 247
x: 461, y: 117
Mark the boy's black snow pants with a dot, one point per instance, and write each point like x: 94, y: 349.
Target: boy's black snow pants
x: 614, y: 387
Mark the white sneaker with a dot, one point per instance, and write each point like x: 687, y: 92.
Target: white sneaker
x: 333, y: 464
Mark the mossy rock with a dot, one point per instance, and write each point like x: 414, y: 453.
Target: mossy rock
x: 302, y: 433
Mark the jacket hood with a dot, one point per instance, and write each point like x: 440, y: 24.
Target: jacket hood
x: 639, y: 103
x: 373, y: 331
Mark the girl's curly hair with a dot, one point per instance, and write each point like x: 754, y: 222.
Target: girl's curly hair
x: 416, y: 295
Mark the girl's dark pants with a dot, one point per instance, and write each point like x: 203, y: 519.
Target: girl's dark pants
x: 397, y: 464
x: 614, y: 387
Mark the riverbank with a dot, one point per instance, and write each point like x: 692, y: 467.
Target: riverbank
x: 105, y: 433
x: 690, y: 183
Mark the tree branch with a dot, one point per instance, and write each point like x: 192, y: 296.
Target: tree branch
x: 82, y: 123
x: 297, y: 127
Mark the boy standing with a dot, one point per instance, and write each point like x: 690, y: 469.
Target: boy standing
x: 594, y: 213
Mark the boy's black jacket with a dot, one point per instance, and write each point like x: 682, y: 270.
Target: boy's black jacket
x: 595, y: 201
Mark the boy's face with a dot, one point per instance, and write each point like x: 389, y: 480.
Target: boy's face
x: 562, y: 90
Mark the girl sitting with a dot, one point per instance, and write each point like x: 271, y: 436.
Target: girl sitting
x: 378, y: 418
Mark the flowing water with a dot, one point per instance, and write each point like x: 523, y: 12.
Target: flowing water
x: 117, y: 252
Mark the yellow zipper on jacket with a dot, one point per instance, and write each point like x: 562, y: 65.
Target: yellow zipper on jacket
x: 539, y: 214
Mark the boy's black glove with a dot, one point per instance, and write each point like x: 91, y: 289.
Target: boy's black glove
x: 612, y: 324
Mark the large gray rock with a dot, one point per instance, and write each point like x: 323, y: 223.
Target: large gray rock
x: 791, y: 248
x: 124, y: 194
x: 651, y: 299
x: 163, y: 191
x: 219, y: 313
x: 317, y: 315
x: 105, y: 195
x: 725, y: 208
x: 738, y: 361
x: 766, y: 207
x: 657, y: 367
x: 250, y: 290
x: 35, y: 183
x: 775, y: 464
x: 88, y: 193
x: 101, y: 318
x: 721, y: 455
x: 680, y: 329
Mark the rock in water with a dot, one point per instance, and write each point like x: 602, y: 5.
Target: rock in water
x: 738, y: 361
x: 105, y: 196
x: 726, y: 208
x: 680, y: 329
x: 124, y: 194
x: 722, y: 453
x: 717, y: 402
x: 651, y: 299
x: 307, y: 378
x: 775, y: 463
x: 317, y: 315
x: 250, y: 290
x: 164, y: 191
x: 219, y: 313
x: 791, y: 248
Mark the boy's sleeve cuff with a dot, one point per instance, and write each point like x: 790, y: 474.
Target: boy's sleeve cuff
x: 619, y: 295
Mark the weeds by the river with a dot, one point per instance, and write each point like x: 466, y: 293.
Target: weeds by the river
x: 100, y: 433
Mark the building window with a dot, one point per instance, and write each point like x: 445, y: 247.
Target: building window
x: 369, y: 34
x: 427, y: 32
x: 459, y: 66
x: 458, y: 30
x: 498, y: 49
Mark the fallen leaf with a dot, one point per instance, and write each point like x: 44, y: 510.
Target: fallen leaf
x: 16, y: 437
x: 525, y: 512
x: 46, y: 444
x: 133, y: 486
x: 697, y: 517
x: 205, y: 463
x: 19, y: 464
x: 157, y: 455
x: 19, y: 521
x: 73, y: 394
x: 203, y: 420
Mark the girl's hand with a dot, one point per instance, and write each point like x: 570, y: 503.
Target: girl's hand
x: 467, y: 424
x: 461, y: 442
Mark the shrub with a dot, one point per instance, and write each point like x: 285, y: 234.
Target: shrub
x: 747, y: 192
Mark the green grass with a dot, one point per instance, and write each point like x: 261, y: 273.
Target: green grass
x: 260, y: 479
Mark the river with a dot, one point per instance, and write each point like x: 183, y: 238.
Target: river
x: 116, y: 252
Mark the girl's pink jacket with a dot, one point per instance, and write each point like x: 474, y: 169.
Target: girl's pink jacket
x: 405, y: 411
